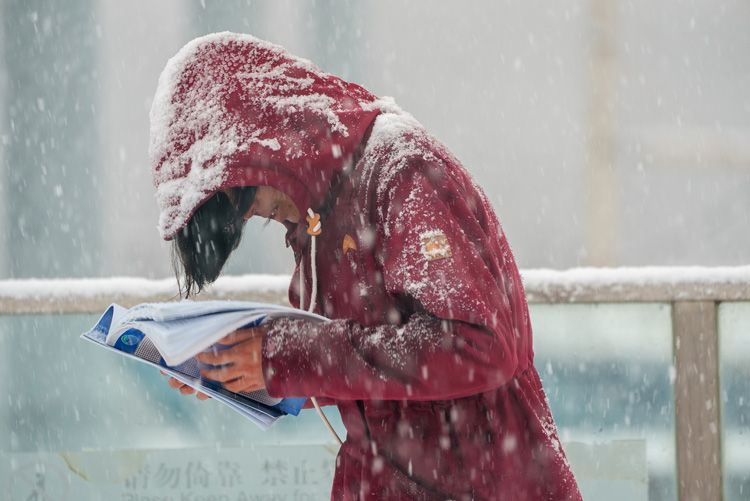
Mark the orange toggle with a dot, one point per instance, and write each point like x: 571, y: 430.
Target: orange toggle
x: 348, y: 244
x: 313, y: 224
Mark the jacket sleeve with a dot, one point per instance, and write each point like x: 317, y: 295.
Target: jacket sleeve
x: 434, y: 252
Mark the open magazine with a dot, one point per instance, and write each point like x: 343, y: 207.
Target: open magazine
x: 169, y: 336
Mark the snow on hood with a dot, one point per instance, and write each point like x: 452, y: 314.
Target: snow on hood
x: 233, y: 110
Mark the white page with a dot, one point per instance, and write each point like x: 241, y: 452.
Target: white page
x: 163, y: 312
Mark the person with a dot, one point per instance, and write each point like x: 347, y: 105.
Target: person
x: 428, y: 355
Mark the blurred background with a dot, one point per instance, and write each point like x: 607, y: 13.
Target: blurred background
x: 605, y: 133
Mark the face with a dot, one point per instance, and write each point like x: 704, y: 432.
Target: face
x: 273, y: 204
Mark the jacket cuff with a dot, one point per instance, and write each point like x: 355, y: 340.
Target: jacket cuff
x: 302, y: 358
x: 285, y: 356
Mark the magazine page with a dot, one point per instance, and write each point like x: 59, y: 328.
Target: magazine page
x: 113, y: 315
x: 172, y: 344
x: 179, y: 340
x: 261, y: 415
x: 186, y: 308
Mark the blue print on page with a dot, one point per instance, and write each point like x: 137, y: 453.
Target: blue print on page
x: 129, y: 340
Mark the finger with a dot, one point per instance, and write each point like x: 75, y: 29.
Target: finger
x: 241, y: 335
x: 244, y: 384
x: 202, y: 396
x: 215, y: 358
x: 174, y: 383
x: 255, y: 357
x: 239, y: 354
x: 234, y: 353
x: 187, y: 390
x: 222, y: 374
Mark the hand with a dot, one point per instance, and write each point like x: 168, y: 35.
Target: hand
x: 241, y: 364
x: 184, y: 389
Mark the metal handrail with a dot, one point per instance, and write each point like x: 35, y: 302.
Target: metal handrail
x: 578, y: 285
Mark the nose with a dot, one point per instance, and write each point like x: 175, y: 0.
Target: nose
x: 250, y: 212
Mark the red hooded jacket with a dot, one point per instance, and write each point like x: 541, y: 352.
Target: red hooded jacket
x: 428, y: 355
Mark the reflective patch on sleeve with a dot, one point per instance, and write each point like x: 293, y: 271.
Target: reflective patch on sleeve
x: 434, y: 245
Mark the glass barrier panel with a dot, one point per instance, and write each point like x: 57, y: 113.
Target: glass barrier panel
x: 734, y: 375
x: 608, y: 374
x: 78, y: 422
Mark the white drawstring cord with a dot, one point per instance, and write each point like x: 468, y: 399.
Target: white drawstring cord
x: 313, y: 231
x: 314, y: 293
x: 302, y: 282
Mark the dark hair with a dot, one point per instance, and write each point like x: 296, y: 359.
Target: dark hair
x: 202, y: 246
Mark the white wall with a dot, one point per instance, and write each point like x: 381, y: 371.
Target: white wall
x: 3, y: 213
x: 134, y: 48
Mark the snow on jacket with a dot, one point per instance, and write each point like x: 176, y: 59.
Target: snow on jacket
x: 428, y: 355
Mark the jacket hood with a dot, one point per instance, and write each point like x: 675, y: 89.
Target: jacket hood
x: 232, y: 110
